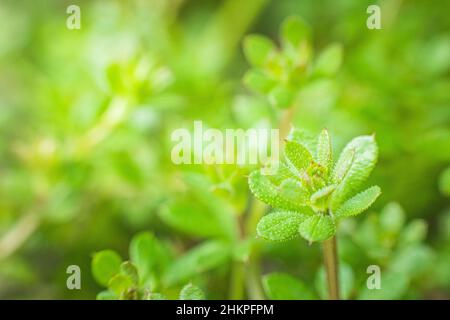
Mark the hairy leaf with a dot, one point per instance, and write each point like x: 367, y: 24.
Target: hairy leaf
x: 280, y: 286
x: 298, y: 155
x: 324, y: 152
x: 366, y: 153
x: 280, y: 226
x: 322, y: 194
x: 289, y: 195
x: 304, y: 138
x: 317, y: 228
x: 359, y: 203
x: 343, y: 165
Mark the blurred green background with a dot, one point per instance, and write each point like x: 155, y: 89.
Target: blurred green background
x: 86, y: 117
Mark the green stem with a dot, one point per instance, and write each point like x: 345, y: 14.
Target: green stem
x: 253, y: 269
x: 331, y: 267
x: 237, y: 281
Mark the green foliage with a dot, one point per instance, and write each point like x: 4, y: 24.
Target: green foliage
x: 317, y: 192
x: 280, y: 226
x: 105, y: 264
x: 85, y: 142
x: 278, y: 73
x: 191, y: 292
x: 151, y: 270
x: 396, y: 247
x: 202, y: 258
x: 444, y: 182
x: 280, y: 286
x: 346, y: 278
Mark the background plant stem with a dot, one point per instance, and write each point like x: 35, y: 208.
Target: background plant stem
x: 237, y: 281
x: 331, y: 267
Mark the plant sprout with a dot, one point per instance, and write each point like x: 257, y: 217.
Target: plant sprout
x: 311, y: 193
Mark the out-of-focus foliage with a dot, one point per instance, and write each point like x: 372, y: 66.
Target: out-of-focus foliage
x: 85, y: 143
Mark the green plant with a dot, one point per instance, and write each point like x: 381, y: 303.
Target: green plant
x: 311, y: 193
x: 279, y: 73
x: 141, y: 277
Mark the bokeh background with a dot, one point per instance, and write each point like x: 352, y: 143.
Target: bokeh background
x: 86, y: 117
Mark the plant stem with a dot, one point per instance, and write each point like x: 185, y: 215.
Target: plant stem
x: 237, y: 281
x: 252, y: 267
x: 19, y: 234
x: 331, y: 267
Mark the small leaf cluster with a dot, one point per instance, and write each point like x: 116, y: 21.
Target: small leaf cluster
x: 140, y: 278
x: 310, y: 191
x: 279, y: 72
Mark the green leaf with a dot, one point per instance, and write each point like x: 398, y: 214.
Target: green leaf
x: 393, y: 286
x: 317, y: 228
x: 392, y: 218
x: 321, y: 195
x: 150, y: 257
x: 343, y: 165
x: 258, y: 81
x: 346, y: 281
x: 280, y: 286
x: 219, y: 210
x: 329, y: 60
x: 201, y: 212
x: 294, y: 31
x: 293, y: 191
x: 153, y: 296
x: 120, y: 283
x: 191, y: 292
x: 129, y: 270
x: 105, y: 264
x: 412, y: 260
x: 413, y: 233
x: 298, y: 155
x: 258, y: 49
x: 282, y: 196
x: 191, y: 218
x: 281, y: 96
x: 324, y: 151
x: 304, y: 138
x: 366, y: 153
x: 204, y: 257
x: 280, y: 226
x: 359, y: 203
x: 107, y: 295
